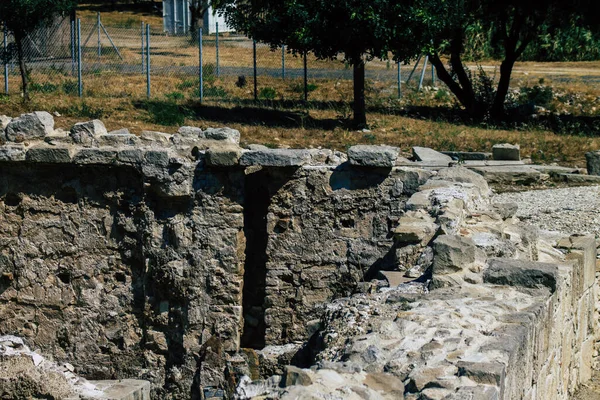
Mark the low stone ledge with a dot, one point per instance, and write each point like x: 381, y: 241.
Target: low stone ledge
x: 528, y: 274
x: 275, y: 158
x: 95, y: 156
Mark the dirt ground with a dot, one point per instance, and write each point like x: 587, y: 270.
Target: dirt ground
x: 590, y: 390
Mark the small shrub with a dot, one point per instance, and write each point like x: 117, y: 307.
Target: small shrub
x: 165, y: 113
x: 370, y: 137
x: 538, y: 95
x: 267, y: 93
x: 85, y: 111
x: 214, y: 91
x: 187, y: 84
x: 298, y: 87
x: 173, y: 96
x: 241, y: 82
x: 209, y: 73
x: 442, y: 95
x: 43, y: 88
x: 70, y: 87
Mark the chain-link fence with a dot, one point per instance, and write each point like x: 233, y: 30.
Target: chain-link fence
x: 91, y: 59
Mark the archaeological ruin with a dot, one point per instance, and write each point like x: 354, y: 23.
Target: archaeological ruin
x: 187, y: 267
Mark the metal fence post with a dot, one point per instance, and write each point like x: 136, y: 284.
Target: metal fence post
x: 255, y: 70
x: 305, y: 76
x: 283, y: 61
x: 217, y: 46
x: 73, y: 46
x: 99, y: 43
x: 142, y: 52
x: 5, y: 62
x: 423, y: 73
x: 200, y: 68
x: 79, y: 80
x: 399, y: 80
x: 148, y: 60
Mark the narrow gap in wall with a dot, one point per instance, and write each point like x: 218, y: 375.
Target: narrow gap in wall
x: 257, y: 201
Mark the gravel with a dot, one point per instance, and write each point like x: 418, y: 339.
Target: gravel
x: 568, y: 210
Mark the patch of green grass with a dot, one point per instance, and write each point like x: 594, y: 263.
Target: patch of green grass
x: 298, y: 87
x: 173, y: 96
x: 165, y: 113
x: 267, y: 93
x: 43, y: 87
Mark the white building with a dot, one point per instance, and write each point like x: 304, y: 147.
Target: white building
x: 177, y: 17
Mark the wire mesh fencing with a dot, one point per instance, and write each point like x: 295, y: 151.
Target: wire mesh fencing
x: 91, y: 59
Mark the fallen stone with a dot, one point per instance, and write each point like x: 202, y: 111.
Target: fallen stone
x: 487, y: 373
x: 276, y: 158
x: 226, y: 134
x: 34, y: 125
x: 452, y: 253
x: 579, y: 179
x: 384, y: 383
x: 475, y: 393
x: 463, y: 175
x: 506, y: 210
x: 158, y: 137
x: 555, y: 169
x: 521, y: 273
x: 373, y: 156
x: 506, y: 152
x: 87, y: 133
x: 122, y: 131
x: 428, y: 155
x: 4, y: 121
x: 295, y: 376
x: 257, y: 147
x: 593, y: 162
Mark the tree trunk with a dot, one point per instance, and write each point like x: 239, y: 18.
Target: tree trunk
x: 506, y: 67
x: 197, y: 10
x: 360, y: 108
x: 22, y: 67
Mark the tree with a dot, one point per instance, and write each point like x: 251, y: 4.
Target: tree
x: 442, y: 27
x: 21, y: 17
x: 355, y: 29
x: 198, y: 9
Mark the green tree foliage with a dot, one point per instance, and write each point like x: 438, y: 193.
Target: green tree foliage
x: 444, y: 27
x: 356, y: 30
x: 21, y: 17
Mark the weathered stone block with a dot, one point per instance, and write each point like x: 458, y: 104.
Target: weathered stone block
x: 506, y: 152
x: 123, y: 139
x: 50, y: 154
x: 295, y: 376
x: 12, y: 153
x: 87, y: 133
x: 452, y: 253
x: 95, y: 156
x: 157, y: 137
x: 521, y: 273
x: 190, y: 131
x: 225, y: 134
x: 275, y: 158
x: 35, y: 125
x: 593, y: 162
x: 373, y: 156
x: 124, y: 389
x: 415, y: 227
x: 226, y: 156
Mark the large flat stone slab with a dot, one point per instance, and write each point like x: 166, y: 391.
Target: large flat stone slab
x: 124, y: 389
x: 508, y: 174
x: 428, y: 155
x: 276, y: 158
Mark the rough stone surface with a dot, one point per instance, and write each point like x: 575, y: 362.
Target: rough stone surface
x: 275, y: 158
x: 87, y: 133
x: 225, y: 134
x: 452, y: 253
x: 373, y: 156
x: 506, y: 152
x: 593, y: 162
x: 30, y: 126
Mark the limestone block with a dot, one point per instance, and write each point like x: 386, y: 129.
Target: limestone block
x: 225, y: 156
x: 428, y: 155
x: 385, y: 383
x: 275, y: 158
x: 415, y: 227
x: 295, y: 376
x: 130, y: 156
x: 463, y: 175
x: 4, y: 121
x: 506, y: 152
x: 481, y: 392
x: 225, y: 134
x: 35, y: 125
x: 87, y: 133
x: 593, y: 162
x: 506, y: 210
x: 190, y: 131
x: 12, y: 153
x: 157, y: 137
x: 521, y: 273
x: 95, y: 156
x: 583, y: 249
x: 509, y: 174
x: 452, y: 253
x: 158, y: 158
x: 487, y: 373
x: 468, y: 155
x: 116, y: 139
x: 373, y: 156
x: 419, y: 200
x: 50, y: 154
